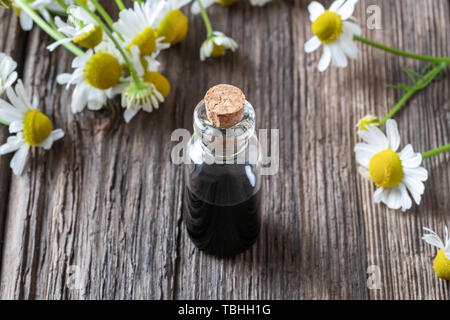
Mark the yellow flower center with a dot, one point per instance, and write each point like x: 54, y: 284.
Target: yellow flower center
x: 146, y: 41
x: 386, y: 169
x: 327, y: 27
x: 368, y: 120
x: 227, y: 2
x: 217, y: 50
x: 37, y: 127
x: 90, y: 39
x: 442, y: 265
x: 102, y: 71
x: 173, y: 27
x: 161, y: 83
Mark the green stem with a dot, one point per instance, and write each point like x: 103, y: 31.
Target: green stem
x: 436, y: 151
x: 6, y: 123
x: 120, y: 5
x: 58, y: 12
x: 63, y: 5
x: 113, y: 39
x: 205, y: 17
x: 401, y: 52
x: 44, y: 26
x: 106, y: 16
x: 421, y: 84
x: 103, y: 13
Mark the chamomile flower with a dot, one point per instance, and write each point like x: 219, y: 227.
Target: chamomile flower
x: 393, y: 173
x: 137, y: 27
x: 96, y: 77
x: 31, y: 126
x: 7, y: 72
x: 81, y: 28
x: 174, y: 26
x: 442, y: 260
x: 366, y: 121
x: 332, y: 30
x: 149, y: 93
x: 216, y: 45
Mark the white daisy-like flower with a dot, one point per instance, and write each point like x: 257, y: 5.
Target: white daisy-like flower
x: 393, y: 173
x: 332, y: 30
x: 80, y: 28
x: 96, y: 77
x: 433, y: 239
x: 173, y: 26
x: 216, y: 45
x: 137, y: 27
x: 32, y: 127
x: 7, y: 72
x: 146, y: 95
x: 195, y: 8
x: 442, y: 261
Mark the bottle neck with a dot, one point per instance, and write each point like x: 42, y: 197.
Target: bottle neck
x: 224, y: 145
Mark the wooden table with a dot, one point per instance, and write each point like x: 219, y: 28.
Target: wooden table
x: 104, y: 206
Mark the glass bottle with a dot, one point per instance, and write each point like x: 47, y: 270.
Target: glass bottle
x: 222, y: 196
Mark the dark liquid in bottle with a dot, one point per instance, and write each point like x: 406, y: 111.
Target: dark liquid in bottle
x: 223, y: 209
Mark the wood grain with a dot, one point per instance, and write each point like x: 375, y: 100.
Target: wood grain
x: 106, y: 202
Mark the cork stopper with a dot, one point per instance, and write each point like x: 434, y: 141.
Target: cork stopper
x: 224, y: 105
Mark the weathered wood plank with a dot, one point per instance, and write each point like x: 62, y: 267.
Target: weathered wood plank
x: 107, y: 202
x: 12, y: 44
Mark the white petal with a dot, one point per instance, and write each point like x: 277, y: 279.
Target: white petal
x: 353, y: 28
x: 346, y: 10
x: 392, y: 134
x: 312, y: 44
x: 325, y: 59
x: 57, y: 134
x: 13, y: 144
x: 407, y: 152
x: 79, y: 98
x: 379, y: 195
x: 413, y: 161
x: 406, y: 202
x: 25, y: 21
x: 433, y: 239
x: 315, y: 10
x: 19, y: 160
x: 415, y: 187
x: 419, y: 173
x: 375, y: 137
x: 349, y: 47
x: 9, y: 113
x: 364, y: 152
x: 338, y: 57
x: 16, y: 126
x: 129, y: 114
x: 394, y: 199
